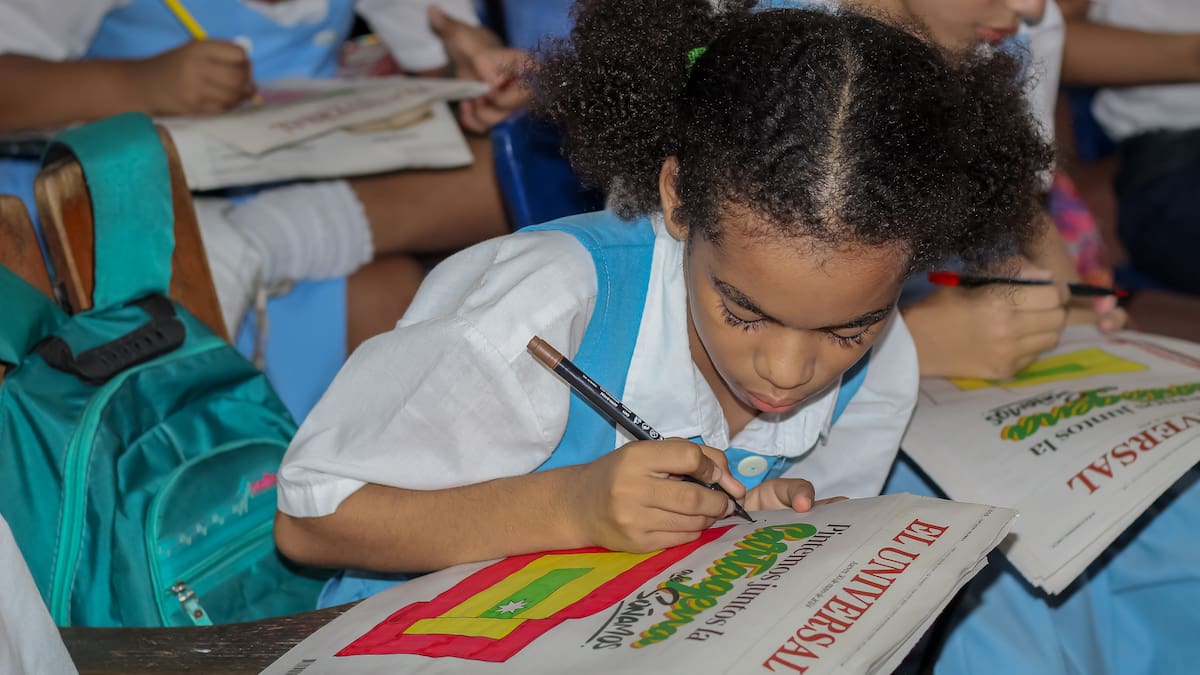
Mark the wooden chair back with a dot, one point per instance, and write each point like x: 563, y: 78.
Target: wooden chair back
x: 66, y: 212
x: 19, y: 250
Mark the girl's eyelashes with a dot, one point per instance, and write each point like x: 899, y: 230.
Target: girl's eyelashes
x: 737, y: 321
x: 849, y: 340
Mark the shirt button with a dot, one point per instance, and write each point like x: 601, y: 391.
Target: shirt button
x: 245, y: 43
x: 752, y: 466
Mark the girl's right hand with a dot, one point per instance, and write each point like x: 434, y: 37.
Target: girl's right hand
x: 201, y: 77
x: 632, y: 499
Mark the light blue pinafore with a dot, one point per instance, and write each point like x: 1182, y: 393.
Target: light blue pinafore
x: 622, y: 253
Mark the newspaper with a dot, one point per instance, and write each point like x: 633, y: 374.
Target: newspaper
x: 1080, y: 443
x: 310, y: 129
x: 296, y: 109
x: 846, y: 588
x: 434, y: 142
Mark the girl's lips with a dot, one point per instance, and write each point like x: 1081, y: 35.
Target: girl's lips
x: 993, y: 35
x: 769, y: 405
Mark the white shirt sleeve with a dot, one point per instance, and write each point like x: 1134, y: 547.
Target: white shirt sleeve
x: 451, y: 396
x: 403, y: 26
x: 29, y: 641
x: 861, y: 446
x: 55, y: 30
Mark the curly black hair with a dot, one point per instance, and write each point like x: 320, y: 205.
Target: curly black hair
x: 827, y: 124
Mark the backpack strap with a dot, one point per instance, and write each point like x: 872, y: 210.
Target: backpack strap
x: 29, y: 316
x: 129, y: 183
x: 162, y: 334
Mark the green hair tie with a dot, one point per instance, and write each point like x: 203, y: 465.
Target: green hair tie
x: 693, y: 56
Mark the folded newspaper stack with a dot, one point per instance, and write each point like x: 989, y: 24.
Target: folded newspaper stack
x: 1080, y: 443
x: 846, y: 588
x: 313, y: 128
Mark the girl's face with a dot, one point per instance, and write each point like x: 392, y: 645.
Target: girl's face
x: 962, y: 23
x: 773, y: 321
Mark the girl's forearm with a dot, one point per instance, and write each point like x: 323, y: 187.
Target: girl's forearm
x: 1101, y: 55
x: 59, y: 93
x: 391, y: 529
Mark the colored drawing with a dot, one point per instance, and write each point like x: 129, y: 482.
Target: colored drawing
x: 1057, y: 368
x: 501, y: 609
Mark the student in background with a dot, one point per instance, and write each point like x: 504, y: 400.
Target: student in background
x: 995, y: 332
x: 85, y: 61
x: 1145, y: 54
x: 776, y: 176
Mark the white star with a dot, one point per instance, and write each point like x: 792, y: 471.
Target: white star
x: 511, y: 607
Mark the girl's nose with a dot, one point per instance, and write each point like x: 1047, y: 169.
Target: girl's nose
x: 790, y: 361
x: 1029, y: 10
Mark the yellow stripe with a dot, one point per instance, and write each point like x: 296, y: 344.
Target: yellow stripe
x: 185, y: 17
x: 474, y: 627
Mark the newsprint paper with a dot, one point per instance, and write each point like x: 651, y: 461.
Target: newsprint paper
x: 325, y: 129
x: 845, y: 588
x: 1080, y: 443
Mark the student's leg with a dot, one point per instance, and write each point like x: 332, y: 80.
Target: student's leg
x: 1159, y: 206
x: 378, y: 294
x: 435, y: 211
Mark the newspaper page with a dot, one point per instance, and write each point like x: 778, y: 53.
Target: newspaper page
x: 417, y: 132
x: 433, y: 141
x: 1080, y: 443
x: 845, y: 588
x: 292, y: 110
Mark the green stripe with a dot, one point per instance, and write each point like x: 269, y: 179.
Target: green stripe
x: 537, y: 590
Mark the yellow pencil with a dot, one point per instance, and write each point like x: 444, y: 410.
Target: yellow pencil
x: 185, y: 17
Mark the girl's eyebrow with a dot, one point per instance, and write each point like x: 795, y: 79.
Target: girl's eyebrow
x: 747, y: 303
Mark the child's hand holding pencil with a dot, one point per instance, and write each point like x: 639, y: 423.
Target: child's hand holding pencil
x: 201, y: 77
x: 631, y: 499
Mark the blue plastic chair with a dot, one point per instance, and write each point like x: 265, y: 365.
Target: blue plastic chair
x: 536, y: 181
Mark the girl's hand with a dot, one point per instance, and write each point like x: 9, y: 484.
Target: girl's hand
x: 991, y: 332
x: 796, y: 494
x: 477, y: 54
x: 631, y: 499
x: 201, y: 77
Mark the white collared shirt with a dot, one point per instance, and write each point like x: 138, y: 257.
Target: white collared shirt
x: 451, y: 396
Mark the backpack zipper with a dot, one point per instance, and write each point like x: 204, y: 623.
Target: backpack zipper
x: 210, y: 566
x: 75, y: 471
x: 228, y: 550
x: 191, y: 603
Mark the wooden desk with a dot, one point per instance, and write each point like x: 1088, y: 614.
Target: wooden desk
x: 244, y: 648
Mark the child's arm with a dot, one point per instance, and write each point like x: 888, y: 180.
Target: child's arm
x: 452, y: 414
x: 624, y: 501
x: 1101, y: 55
x: 200, y: 77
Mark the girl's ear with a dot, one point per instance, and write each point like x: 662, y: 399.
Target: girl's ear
x: 668, y: 197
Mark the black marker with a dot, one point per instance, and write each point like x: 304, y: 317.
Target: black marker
x: 610, y: 407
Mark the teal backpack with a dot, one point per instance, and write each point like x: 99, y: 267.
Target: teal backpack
x: 139, y: 449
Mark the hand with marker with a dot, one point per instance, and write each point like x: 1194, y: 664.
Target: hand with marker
x: 632, y: 499
x: 796, y: 494
x: 989, y: 332
x: 200, y: 77
x: 477, y: 54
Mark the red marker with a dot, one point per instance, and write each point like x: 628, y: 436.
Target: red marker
x: 501, y: 87
x: 947, y: 278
